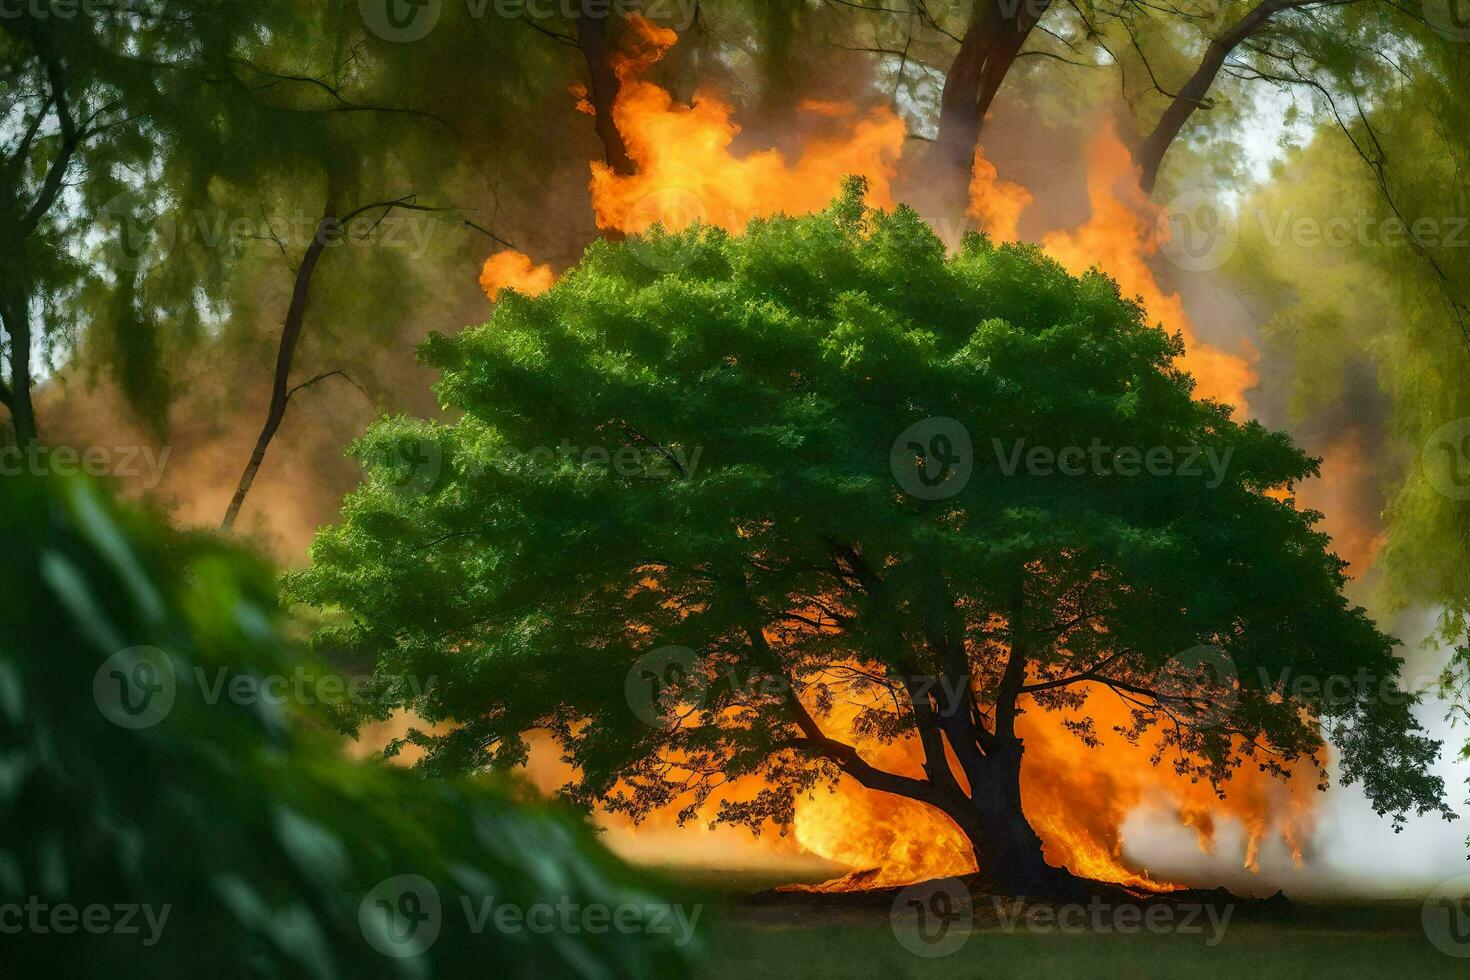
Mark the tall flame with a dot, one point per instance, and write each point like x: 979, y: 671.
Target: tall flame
x: 687, y: 169
x: 995, y: 203
x: 1120, y: 238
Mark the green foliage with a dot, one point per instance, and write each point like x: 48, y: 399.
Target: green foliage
x: 211, y: 137
x: 235, y: 817
x: 1392, y: 293
x: 780, y: 367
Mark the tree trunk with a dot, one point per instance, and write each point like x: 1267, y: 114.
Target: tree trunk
x: 776, y: 57
x: 988, y: 50
x: 1007, y: 850
x: 603, y: 85
x: 1192, y: 96
x: 285, y: 357
x: 16, y: 315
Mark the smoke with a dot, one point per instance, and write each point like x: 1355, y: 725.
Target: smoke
x: 1350, y: 851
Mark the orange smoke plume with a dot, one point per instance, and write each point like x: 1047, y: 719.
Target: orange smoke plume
x: 515, y: 270
x: 1120, y: 238
x: 687, y: 169
x: 1356, y: 529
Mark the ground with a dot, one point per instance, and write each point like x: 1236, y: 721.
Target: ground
x: 755, y: 940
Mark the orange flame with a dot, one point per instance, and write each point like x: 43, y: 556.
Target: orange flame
x: 687, y: 169
x: 899, y: 840
x: 1077, y: 799
x: 996, y: 204
x: 515, y: 270
x: 1120, y: 238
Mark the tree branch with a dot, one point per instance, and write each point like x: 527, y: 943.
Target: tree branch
x: 1194, y: 94
x: 51, y: 185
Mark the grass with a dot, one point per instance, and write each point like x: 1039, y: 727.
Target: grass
x: 1336, y: 943
x: 1327, y: 940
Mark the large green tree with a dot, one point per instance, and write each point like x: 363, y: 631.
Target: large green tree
x: 792, y: 543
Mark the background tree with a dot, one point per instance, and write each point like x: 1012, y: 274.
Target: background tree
x: 768, y: 382
x: 1380, y: 301
x: 183, y: 171
x: 87, y: 101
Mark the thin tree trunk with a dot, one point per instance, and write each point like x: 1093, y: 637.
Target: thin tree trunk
x: 988, y: 50
x: 22, y: 410
x: 285, y: 357
x: 603, y: 85
x: 779, y: 88
x: 1192, y: 96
